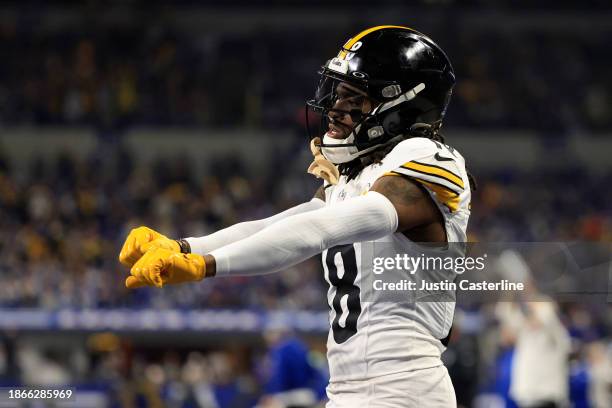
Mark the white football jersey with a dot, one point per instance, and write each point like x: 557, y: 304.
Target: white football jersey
x: 370, y: 339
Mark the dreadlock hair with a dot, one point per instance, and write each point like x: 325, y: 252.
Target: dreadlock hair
x: 431, y: 131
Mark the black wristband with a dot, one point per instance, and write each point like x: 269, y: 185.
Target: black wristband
x: 184, y: 245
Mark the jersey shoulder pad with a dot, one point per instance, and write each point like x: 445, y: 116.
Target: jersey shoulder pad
x: 410, y: 149
x: 435, y: 165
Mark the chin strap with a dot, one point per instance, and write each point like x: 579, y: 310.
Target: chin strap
x: 321, y: 167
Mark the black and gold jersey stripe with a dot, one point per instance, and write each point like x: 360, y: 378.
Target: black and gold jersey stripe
x: 435, y: 171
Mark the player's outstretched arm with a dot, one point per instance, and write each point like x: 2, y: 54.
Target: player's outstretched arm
x: 142, y: 239
x: 302, y: 236
x: 279, y: 246
x: 394, y: 204
x: 236, y: 232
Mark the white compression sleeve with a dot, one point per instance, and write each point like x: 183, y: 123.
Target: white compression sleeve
x: 208, y: 243
x: 302, y: 236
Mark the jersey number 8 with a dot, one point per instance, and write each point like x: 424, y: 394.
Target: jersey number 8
x: 346, y: 302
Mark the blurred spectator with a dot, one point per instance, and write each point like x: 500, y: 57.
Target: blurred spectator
x: 599, y: 366
x: 540, y: 364
x: 540, y: 368
x: 290, y: 379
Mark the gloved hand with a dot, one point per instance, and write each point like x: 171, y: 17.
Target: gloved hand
x: 161, y: 266
x: 142, y: 239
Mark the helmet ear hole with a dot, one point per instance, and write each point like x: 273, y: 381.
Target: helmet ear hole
x: 356, y: 115
x: 392, y: 123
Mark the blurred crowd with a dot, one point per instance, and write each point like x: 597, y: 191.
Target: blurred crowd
x: 155, y: 72
x: 483, y: 361
x: 228, y: 372
x: 105, y: 370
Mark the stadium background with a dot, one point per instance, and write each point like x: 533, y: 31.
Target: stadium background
x: 188, y: 118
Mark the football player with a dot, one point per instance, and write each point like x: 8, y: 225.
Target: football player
x: 389, y: 179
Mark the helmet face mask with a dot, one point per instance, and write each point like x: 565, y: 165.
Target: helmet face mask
x: 338, y: 112
x: 406, y: 77
x: 336, y: 98
x: 332, y: 92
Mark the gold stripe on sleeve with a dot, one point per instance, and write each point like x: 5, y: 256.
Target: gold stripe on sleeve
x: 436, y: 172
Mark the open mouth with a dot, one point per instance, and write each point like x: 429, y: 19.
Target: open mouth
x: 337, y: 131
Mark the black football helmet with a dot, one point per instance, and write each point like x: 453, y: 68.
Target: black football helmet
x: 402, y: 70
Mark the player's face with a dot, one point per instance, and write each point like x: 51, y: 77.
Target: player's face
x: 350, y: 103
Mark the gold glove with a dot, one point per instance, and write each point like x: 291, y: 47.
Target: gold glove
x: 142, y: 239
x: 161, y: 266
